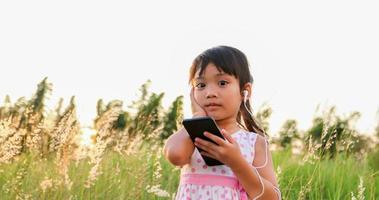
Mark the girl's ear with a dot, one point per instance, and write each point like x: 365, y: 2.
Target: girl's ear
x: 248, y: 88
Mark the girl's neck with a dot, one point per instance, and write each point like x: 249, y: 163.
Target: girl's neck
x: 230, y: 125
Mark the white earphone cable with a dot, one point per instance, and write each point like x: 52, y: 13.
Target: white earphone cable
x: 266, y: 141
x: 263, y: 185
x: 245, y: 93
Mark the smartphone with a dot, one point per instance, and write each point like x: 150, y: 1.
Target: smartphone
x: 196, y: 128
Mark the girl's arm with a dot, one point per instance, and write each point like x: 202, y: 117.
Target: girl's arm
x: 178, y: 148
x: 252, y: 182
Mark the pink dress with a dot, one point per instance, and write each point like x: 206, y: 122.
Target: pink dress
x: 199, y: 181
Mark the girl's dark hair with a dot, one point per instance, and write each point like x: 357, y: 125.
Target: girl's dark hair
x: 233, y: 62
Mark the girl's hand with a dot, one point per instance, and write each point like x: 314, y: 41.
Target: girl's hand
x: 197, y: 110
x: 227, y: 151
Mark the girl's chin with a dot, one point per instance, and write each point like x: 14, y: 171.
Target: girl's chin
x: 215, y: 116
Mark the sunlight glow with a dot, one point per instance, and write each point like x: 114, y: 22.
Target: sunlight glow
x: 86, y: 137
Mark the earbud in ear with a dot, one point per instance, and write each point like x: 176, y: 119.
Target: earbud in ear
x: 245, y: 94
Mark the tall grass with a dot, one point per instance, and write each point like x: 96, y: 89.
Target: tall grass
x: 41, y: 156
x: 337, y: 178
x: 145, y: 174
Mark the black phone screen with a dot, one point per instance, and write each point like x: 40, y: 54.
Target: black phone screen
x: 196, y: 128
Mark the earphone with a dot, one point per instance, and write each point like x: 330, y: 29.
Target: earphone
x: 245, y: 96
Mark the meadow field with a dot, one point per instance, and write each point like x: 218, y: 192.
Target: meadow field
x: 145, y: 174
x: 46, y: 154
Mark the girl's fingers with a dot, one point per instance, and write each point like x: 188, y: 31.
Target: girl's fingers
x: 205, y: 145
x: 195, y: 107
x: 227, y: 136
x: 214, y: 138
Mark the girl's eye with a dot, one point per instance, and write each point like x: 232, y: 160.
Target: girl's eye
x: 200, y: 85
x: 223, y: 83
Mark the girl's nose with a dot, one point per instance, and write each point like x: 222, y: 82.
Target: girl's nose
x: 211, y: 94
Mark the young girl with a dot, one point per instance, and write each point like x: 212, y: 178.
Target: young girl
x: 221, y: 89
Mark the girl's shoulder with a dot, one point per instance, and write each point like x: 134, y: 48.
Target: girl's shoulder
x: 246, y: 139
x: 257, y: 142
x: 261, y: 149
x: 253, y: 136
x: 246, y: 135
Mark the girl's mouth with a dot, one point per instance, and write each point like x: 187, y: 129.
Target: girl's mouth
x: 212, y: 106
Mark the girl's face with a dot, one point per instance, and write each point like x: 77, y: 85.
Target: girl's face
x: 217, y: 93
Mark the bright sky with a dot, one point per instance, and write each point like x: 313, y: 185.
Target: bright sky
x: 302, y: 53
